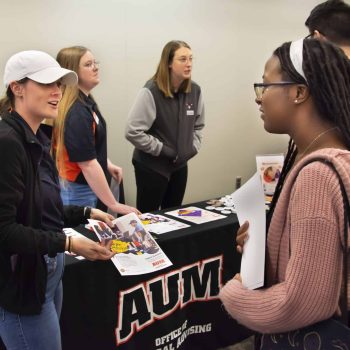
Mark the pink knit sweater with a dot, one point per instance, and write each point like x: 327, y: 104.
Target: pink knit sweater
x: 304, y: 256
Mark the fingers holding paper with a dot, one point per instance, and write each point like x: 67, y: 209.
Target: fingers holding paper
x: 238, y: 277
x: 98, y: 214
x: 242, y: 236
x: 90, y: 249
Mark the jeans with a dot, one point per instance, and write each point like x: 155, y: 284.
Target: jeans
x: 73, y: 193
x: 37, y: 332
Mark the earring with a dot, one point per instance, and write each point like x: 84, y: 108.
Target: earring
x: 295, y: 101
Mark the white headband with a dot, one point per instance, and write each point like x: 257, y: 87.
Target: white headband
x: 296, y: 56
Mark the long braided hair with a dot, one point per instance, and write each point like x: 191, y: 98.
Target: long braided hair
x: 327, y: 71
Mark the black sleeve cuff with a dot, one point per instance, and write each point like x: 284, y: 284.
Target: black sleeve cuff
x: 87, y: 212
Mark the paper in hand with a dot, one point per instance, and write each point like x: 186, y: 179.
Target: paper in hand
x: 249, y: 202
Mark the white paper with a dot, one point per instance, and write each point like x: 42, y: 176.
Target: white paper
x: 250, y: 206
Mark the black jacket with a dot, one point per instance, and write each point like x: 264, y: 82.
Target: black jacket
x: 23, y: 244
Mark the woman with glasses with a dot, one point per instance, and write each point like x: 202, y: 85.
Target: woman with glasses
x: 80, y: 138
x: 305, y: 94
x: 32, y: 216
x: 165, y: 126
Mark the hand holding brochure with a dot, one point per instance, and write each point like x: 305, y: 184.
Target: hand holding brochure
x: 136, y: 250
x: 250, y: 206
x: 70, y: 232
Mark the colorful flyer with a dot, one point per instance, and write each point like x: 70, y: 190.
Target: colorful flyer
x: 187, y: 212
x: 269, y: 167
x: 200, y: 216
x: 136, y: 251
x: 159, y: 224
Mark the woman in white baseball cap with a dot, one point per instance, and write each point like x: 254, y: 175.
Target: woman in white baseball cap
x: 32, y: 215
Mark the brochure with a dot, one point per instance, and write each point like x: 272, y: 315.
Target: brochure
x: 159, y: 224
x: 269, y: 167
x: 136, y: 251
x: 188, y: 212
x: 196, y: 215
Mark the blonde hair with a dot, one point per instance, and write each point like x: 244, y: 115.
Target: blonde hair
x: 162, y: 76
x: 68, y: 58
x: 7, y: 102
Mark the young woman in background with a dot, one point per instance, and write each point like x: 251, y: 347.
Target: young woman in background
x: 165, y: 126
x: 80, y: 138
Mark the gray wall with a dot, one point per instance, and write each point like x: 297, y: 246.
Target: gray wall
x: 230, y: 39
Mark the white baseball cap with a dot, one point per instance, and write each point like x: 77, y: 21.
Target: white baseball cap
x: 37, y: 66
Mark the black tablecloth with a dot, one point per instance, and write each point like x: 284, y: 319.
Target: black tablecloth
x: 174, y: 308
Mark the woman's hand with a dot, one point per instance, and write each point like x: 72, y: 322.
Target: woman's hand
x: 124, y: 209
x: 242, y: 237
x: 238, y: 277
x: 91, y: 250
x: 98, y: 214
x: 115, y: 171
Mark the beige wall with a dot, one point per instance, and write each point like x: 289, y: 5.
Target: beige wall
x: 231, y: 40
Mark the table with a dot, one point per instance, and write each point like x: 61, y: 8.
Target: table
x: 174, y: 308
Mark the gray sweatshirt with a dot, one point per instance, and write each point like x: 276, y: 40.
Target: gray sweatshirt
x: 165, y: 131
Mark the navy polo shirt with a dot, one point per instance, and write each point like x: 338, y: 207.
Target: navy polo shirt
x: 85, y: 134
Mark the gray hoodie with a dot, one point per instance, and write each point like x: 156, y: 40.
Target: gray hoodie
x: 165, y: 131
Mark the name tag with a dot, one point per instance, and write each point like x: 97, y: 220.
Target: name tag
x: 97, y: 120
x: 189, y: 112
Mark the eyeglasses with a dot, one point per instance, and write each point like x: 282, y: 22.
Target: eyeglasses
x: 260, y: 88
x: 311, y: 36
x: 92, y: 64
x: 184, y: 60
